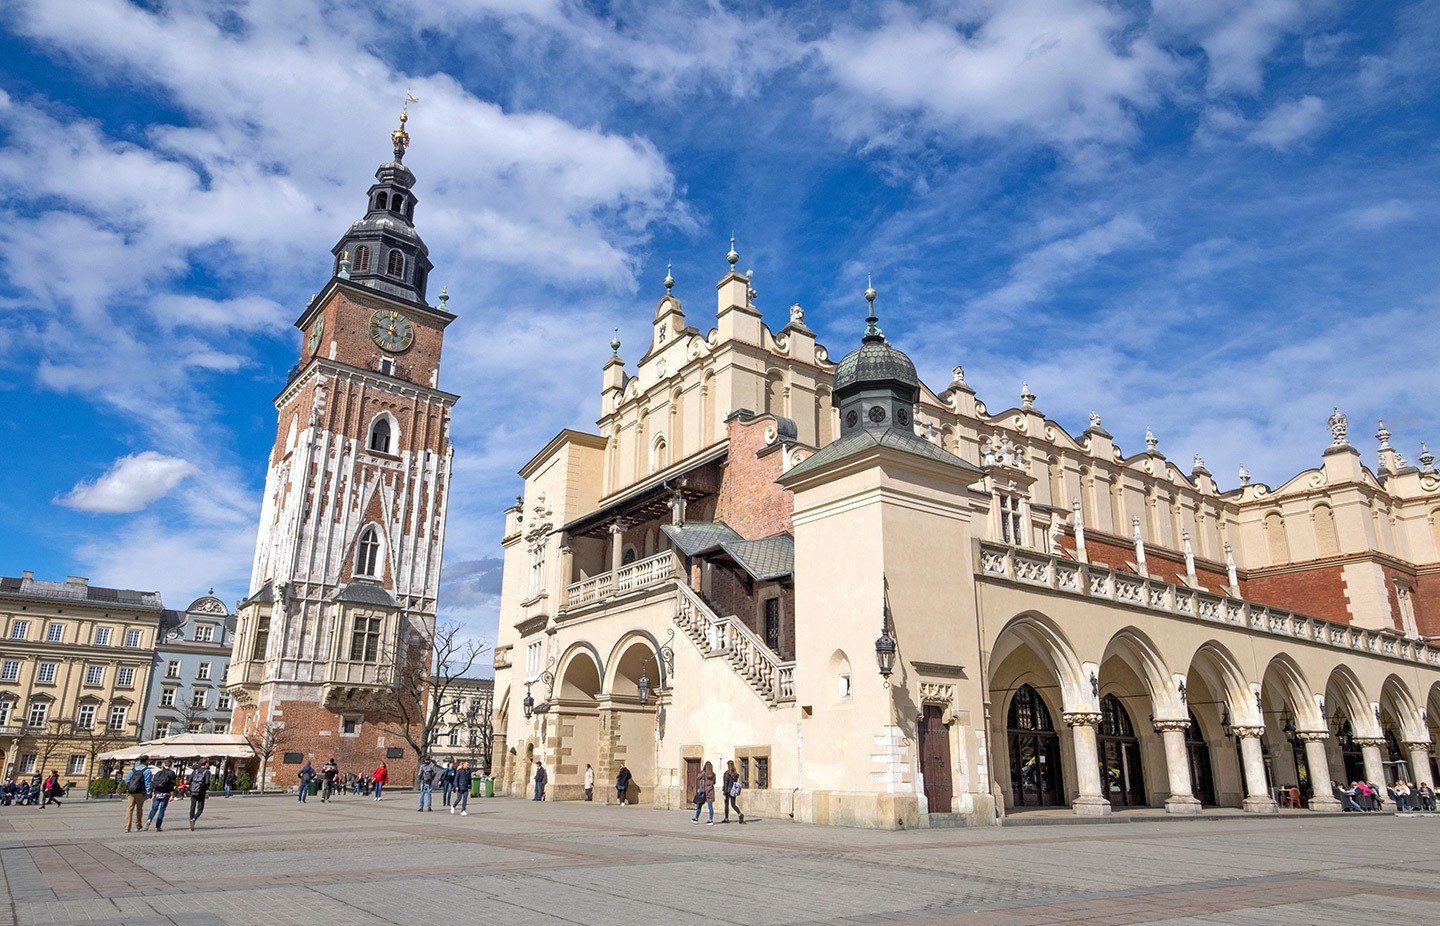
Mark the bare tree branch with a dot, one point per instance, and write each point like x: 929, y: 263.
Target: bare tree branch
x: 267, y: 741
x: 425, y: 683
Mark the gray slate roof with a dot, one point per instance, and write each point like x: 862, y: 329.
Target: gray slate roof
x: 865, y: 438
x: 700, y: 537
x: 27, y: 587
x: 266, y: 595
x: 767, y: 559
x: 875, y: 362
x: 363, y: 592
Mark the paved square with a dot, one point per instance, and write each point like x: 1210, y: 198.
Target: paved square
x: 272, y: 860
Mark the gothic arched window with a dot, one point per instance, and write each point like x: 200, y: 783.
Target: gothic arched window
x: 367, y: 553
x: 362, y: 259
x: 380, y: 435
x: 396, y: 266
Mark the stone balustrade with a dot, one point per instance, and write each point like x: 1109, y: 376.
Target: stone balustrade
x: 641, y: 574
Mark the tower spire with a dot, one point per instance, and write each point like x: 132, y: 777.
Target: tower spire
x: 872, y: 321
x: 401, y: 138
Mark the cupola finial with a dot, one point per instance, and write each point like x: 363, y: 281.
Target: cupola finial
x: 615, y: 343
x: 401, y: 138
x: 872, y: 321
x: 732, y: 258
x: 669, y: 279
x: 344, y: 272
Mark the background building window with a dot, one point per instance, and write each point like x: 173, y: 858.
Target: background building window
x: 76, y: 765
x: 125, y: 677
x: 132, y: 639
x: 223, y: 701
x: 117, y: 717
x: 85, y: 717
x: 6, y: 705
x: 102, y: 636
x: 55, y: 633
x: 46, y: 673
x: 19, y: 630
x: 532, y: 661
x: 202, y: 671
x: 262, y: 638
x: 27, y: 764
x: 380, y: 435
x: 167, y: 697
x: 205, y: 633
x: 197, y: 697
x: 362, y: 253
x: 396, y: 266
x: 39, y: 714
x: 94, y: 675
x: 172, y: 669
x: 10, y: 671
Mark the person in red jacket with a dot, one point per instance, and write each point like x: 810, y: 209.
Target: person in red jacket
x: 381, y: 776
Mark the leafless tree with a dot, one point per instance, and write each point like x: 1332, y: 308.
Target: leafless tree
x: 425, y: 683
x: 97, y: 738
x: 267, y: 741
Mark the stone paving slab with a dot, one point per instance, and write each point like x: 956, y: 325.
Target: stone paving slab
x: 273, y: 861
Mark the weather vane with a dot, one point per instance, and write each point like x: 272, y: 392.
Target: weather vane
x: 401, y: 138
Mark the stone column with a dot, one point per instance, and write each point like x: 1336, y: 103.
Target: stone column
x: 1374, y: 762
x: 1258, y: 798
x: 1091, y: 801
x: 617, y: 545
x: 1182, y: 798
x: 1322, y: 799
x: 1419, y: 764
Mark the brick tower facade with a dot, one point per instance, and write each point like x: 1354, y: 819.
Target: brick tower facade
x: 347, y: 562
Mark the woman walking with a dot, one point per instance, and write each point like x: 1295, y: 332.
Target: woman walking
x: 705, y: 793
x: 731, y: 786
x: 52, y: 790
x: 382, y: 776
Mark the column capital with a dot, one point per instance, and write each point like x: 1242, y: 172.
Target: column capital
x: 1248, y: 732
x: 1171, y: 726
x: 1313, y: 736
x: 1081, y: 718
x: 1363, y: 741
x: 1413, y: 745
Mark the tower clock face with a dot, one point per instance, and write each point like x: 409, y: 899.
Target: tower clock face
x: 315, y: 334
x: 391, y: 330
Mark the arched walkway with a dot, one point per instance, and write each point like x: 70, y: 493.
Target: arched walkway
x: 628, y: 728
x: 1295, y: 735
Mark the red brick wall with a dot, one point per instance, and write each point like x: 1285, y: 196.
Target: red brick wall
x: 314, y: 731
x: 1427, y: 603
x: 750, y: 501
x: 1318, y: 590
x: 1111, y: 553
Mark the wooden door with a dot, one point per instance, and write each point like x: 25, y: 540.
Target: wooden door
x: 692, y: 775
x: 935, y: 759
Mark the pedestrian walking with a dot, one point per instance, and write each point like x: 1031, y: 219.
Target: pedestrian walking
x: 199, y: 786
x: 328, y: 772
x: 229, y: 781
x: 137, y: 789
x: 589, y: 782
x: 307, y: 775
x: 52, y: 790
x: 731, y: 785
x: 622, y: 783
x: 447, y: 781
x: 463, y: 777
x: 705, y: 793
x: 162, y: 788
x: 381, y: 778
x: 541, y: 776
x: 428, y: 773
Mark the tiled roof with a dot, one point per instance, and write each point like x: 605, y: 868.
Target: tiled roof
x: 265, y: 595
x: 864, y: 439
x: 27, y: 587
x: 699, y: 537
x: 770, y: 558
x: 363, y: 592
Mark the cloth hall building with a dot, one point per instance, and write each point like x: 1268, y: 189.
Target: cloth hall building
x: 721, y: 571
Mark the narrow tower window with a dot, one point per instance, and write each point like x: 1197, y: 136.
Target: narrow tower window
x: 397, y: 264
x: 397, y: 203
x: 362, y: 260
x: 380, y: 435
x: 367, y: 553
x: 381, y: 200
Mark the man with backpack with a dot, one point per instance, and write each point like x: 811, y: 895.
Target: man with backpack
x: 137, y: 788
x: 162, y: 787
x: 447, y: 780
x: 328, y: 772
x: 428, y: 774
x: 199, y: 787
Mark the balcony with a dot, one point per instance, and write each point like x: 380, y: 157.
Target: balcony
x: 641, y: 574
x: 347, y: 680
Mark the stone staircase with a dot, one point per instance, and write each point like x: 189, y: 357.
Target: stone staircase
x: 728, y: 638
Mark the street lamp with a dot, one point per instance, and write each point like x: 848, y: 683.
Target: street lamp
x: 885, y: 650
x: 529, y: 703
x: 643, y: 684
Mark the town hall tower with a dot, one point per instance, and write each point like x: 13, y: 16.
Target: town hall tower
x: 347, y: 562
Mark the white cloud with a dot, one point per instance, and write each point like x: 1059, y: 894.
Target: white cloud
x: 132, y: 483
x: 1033, y: 276
x: 1289, y: 124
x: 1381, y: 215
x: 1062, y: 72
x: 1238, y: 36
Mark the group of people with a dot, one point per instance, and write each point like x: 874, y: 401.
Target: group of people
x: 159, y: 784
x: 34, y: 792
x: 730, y: 787
x: 331, y: 782
x: 623, y: 779
x: 454, y: 781
x: 1365, y: 796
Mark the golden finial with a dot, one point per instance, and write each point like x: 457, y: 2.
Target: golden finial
x: 401, y: 138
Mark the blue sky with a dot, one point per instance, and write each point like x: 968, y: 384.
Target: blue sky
x: 1214, y: 218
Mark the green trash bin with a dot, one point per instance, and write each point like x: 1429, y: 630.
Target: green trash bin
x: 476, y: 784
x: 489, y: 786
x: 314, y: 786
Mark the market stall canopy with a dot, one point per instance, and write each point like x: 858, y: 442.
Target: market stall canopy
x: 187, y: 746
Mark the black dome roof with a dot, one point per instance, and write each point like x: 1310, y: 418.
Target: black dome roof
x: 875, y: 361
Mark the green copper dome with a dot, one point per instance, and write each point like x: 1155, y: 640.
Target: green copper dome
x: 875, y: 362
